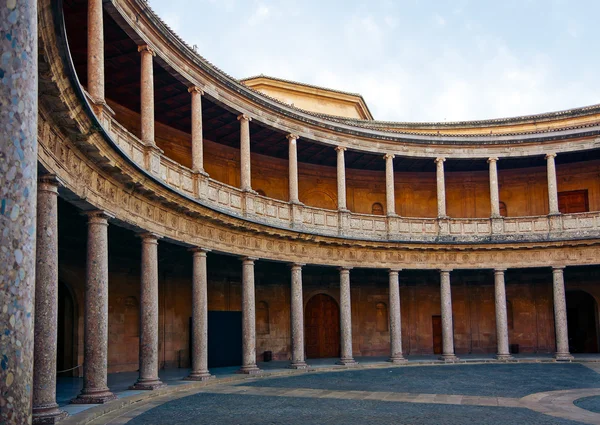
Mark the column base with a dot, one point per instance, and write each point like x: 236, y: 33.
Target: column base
x: 563, y: 357
x: 148, y: 385
x: 397, y: 359
x: 347, y: 362
x: 448, y: 358
x: 94, y: 397
x: 249, y: 370
x: 199, y: 376
x: 48, y: 414
x: 298, y: 365
x: 504, y: 357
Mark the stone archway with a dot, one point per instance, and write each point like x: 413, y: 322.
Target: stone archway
x: 67, y: 331
x: 582, y: 319
x: 322, y: 327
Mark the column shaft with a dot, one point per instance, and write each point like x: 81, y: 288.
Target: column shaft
x: 248, y: 318
x: 552, y: 185
x: 441, y: 187
x: 390, y: 195
x: 560, y: 315
x: 95, y: 59
x: 245, y: 170
x: 297, y: 318
x: 293, y: 168
x: 341, y: 179
x: 345, y: 319
x: 147, y: 95
x: 197, y: 144
x: 501, y: 317
x: 395, y: 319
x: 494, y: 192
x: 447, y: 323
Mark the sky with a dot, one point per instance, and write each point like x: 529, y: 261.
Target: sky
x: 411, y: 60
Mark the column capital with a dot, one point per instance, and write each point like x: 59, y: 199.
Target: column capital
x: 499, y: 271
x: 492, y: 159
x: 344, y: 269
x: 48, y: 183
x: 249, y: 260
x: 199, y: 250
x: 297, y: 266
x: 440, y: 159
x: 145, y: 48
x: 389, y: 156
x: 558, y: 269
x: 98, y: 216
x: 292, y: 137
x: 196, y: 89
x: 550, y: 155
x: 340, y: 149
x: 244, y: 117
x: 149, y: 237
x: 394, y: 270
x: 445, y: 271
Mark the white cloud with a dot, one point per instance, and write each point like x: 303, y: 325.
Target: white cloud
x: 261, y: 13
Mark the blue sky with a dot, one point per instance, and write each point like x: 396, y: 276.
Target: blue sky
x: 411, y: 60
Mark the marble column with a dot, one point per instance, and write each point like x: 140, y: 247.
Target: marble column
x: 199, y: 370
x: 390, y: 196
x: 346, y: 358
x: 197, y: 145
x: 45, y: 409
x: 395, y: 319
x: 341, y: 178
x: 95, y: 390
x: 293, y: 168
x: 494, y: 192
x: 560, y: 316
x: 18, y: 182
x: 148, y: 378
x: 297, y: 319
x: 245, y: 171
x: 447, y: 324
x: 248, y: 318
x: 552, y: 185
x: 147, y: 95
x: 441, y: 187
x: 95, y: 52
x: 501, y: 317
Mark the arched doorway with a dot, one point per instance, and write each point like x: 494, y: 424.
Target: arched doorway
x: 67, y: 332
x: 582, y: 322
x: 322, y: 327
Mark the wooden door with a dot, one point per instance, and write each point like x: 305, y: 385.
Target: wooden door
x: 575, y: 201
x: 436, y: 326
x: 322, y: 327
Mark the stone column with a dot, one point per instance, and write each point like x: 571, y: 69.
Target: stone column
x: 197, y: 148
x: 148, y: 378
x: 346, y: 358
x: 18, y: 182
x: 341, y: 178
x: 147, y: 95
x: 441, y: 187
x: 45, y: 409
x: 501, y: 318
x: 447, y: 325
x: 494, y: 192
x: 390, y: 196
x: 297, y: 311
x: 248, y: 318
x: 245, y: 173
x: 199, y: 370
x: 95, y: 390
x: 95, y: 59
x: 293, y: 168
x: 560, y: 316
x: 552, y: 185
x: 395, y: 319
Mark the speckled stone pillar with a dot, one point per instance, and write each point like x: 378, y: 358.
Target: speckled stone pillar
x: 447, y: 325
x: 18, y: 181
x: 45, y: 409
x: 552, y: 185
x: 95, y: 59
x: 245, y: 170
x: 494, y: 193
x: 293, y: 168
x: 390, y: 196
x: 199, y: 370
x: 297, y: 318
x: 560, y: 316
x: 395, y: 319
x: 197, y: 144
x: 148, y: 379
x: 441, y: 187
x: 341, y: 178
x: 501, y: 317
x: 346, y: 359
x: 147, y: 95
x: 95, y: 351
x: 248, y: 318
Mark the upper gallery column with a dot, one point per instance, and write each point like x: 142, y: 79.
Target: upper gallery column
x: 390, y: 195
x: 197, y: 145
x: 341, y: 178
x: 18, y: 182
x: 293, y: 167
x: 441, y: 187
x: 447, y: 322
x: 552, y: 185
x: 248, y: 318
x: 45, y: 409
x: 95, y: 389
x: 494, y: 192
x: 147, y: 94
x: 199, y: 370
x: 501, y: 316
x: 148, y: 378
x: 395, y: 319
x: 95, y: 59
x: 560, y: 315
x: 297, y: 313
x: 345, y: 319
x: 245, y: 170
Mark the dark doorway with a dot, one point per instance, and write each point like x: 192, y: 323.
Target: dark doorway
x: 67, y: 324
x: 436, y: 328
x: 322, y: 327
x: 224, y: 338
x: 582, y: 322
